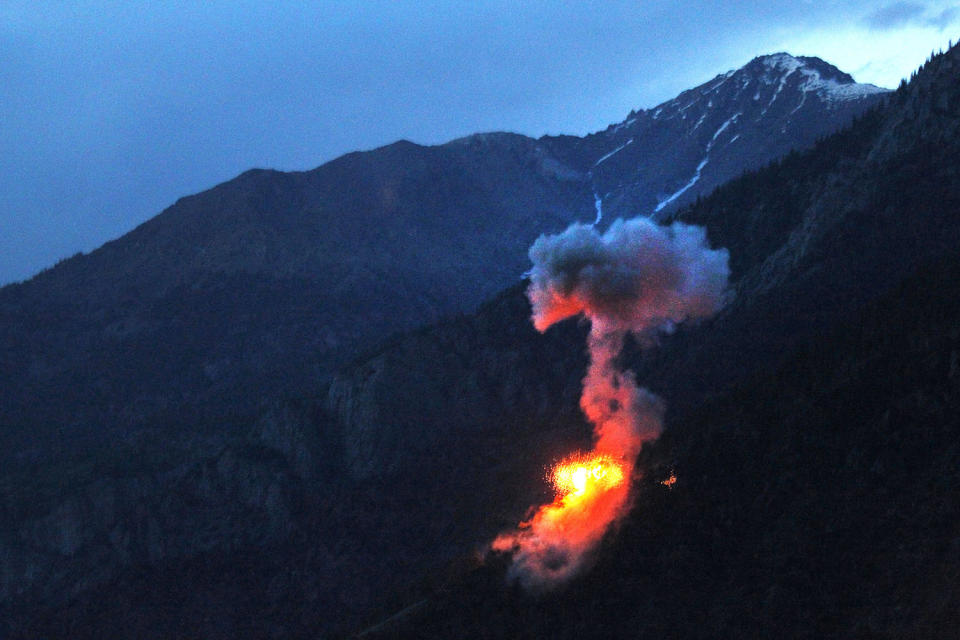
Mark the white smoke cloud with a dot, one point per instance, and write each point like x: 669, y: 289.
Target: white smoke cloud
x: 634, y: 277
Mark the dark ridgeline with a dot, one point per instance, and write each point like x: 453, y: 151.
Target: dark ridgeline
x: 192, y: 446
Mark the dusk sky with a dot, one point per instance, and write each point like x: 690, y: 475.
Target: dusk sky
x: 110, y: 111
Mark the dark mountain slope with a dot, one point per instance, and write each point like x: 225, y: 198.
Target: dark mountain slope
x: 293, y: 525
x: 817, y: 499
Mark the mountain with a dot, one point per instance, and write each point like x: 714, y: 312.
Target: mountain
x: 209, y: 430
x: 261, y: 286
x: 812, y: 425
x: 668, y: 156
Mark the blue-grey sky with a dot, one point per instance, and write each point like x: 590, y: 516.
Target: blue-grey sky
x: 110, y: 111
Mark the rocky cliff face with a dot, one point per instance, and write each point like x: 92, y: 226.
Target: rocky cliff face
x: 464, y: 381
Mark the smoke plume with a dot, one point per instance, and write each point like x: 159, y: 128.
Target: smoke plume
x: 637, y: 277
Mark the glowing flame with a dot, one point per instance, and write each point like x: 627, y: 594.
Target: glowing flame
x: 669, y: 482
x: 575, y: 478
x: 591, y: 491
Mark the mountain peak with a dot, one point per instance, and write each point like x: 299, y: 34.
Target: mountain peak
x: 781, y: 70
x: 687, y: 146
x: 786, y: 63
x: 811, y: 74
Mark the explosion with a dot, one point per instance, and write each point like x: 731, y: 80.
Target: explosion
x: 589, y: 492
x: 637, y: 278
x: 582, y: 478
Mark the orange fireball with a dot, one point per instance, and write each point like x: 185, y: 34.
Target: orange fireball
x: 581, y: 476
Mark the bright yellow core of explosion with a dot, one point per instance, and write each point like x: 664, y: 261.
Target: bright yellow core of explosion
x: 582, y: 476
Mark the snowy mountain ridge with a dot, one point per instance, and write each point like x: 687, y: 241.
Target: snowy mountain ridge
x: 661, y: 158
x: 825, y: 79
x: 766, y: 71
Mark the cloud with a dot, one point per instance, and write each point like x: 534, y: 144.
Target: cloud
x: 904, y: 14
x: 895, y: 15
x: 944, y: 19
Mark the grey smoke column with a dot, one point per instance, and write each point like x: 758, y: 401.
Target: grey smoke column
x: 636, y: 277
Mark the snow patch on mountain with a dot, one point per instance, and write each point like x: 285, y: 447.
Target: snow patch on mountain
x: 776, y: 94
x: 814, y: 81
x: 696, y: 175
x: 722, y: 128
x: 623, y: 125
x: 700, y: 121
x: 834, y: 90
x: 607, y: 156
x: 684, y: 188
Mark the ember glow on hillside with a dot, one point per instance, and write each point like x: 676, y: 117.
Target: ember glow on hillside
x: 635, y: 278
x: 590, y: 492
